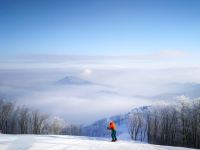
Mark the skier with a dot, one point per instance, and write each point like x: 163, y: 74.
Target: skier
x: 112, y: 127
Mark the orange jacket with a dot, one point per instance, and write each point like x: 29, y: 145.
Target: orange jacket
x: 112, y: 126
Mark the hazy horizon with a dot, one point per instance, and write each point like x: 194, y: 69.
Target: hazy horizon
x: 83, y: 89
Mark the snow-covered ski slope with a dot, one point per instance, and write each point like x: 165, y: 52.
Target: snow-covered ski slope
x: 57, y: 142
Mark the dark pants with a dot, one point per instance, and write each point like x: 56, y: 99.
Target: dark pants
x: 113, y: 135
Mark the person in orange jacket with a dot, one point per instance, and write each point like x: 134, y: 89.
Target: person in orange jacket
x: 113, y: 128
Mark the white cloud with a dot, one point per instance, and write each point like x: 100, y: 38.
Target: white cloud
x: 87, y: 72
x: 161, y: 59
x: 174, y: 54
x: 121, y: 82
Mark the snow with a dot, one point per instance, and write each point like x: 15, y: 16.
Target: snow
x: 58, y: 142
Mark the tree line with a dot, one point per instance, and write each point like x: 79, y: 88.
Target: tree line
x: 23, y: 120
x: 174, y: 125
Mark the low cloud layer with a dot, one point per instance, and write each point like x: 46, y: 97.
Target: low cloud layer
x: 118, y: 83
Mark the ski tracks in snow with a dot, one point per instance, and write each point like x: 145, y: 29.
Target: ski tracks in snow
x: 57, y: 142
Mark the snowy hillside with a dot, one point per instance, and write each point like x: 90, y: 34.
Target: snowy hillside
x: 54, y: 142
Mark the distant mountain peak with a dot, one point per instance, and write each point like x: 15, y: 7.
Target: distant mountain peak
x: 72, y: 80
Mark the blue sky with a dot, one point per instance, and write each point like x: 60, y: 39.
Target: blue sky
x: 105, y: 27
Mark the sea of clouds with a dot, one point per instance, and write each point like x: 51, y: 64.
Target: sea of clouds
x: 117, y: 84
